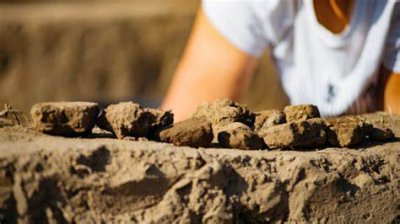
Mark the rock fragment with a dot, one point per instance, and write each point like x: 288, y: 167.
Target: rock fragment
x: 381, y: 133
x: 64, y: 118
x: 300, y: 112
x: 194, y: 132
x: 5, y: 123
x: 223, y: 112
x: 239, y: 136
x: 378, y: 132
x: 10, y: 116
x: 383, y: 125
x: 310, y: 133
x: 268, y: 118
x: 128, y: 119
x: 346, y: 131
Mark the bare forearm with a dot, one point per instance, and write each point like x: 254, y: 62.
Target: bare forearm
x: 392, y: 93
x: 190, y: 88
x: 211, y: 68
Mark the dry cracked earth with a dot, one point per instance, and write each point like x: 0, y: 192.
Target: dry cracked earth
x: 96, y: 178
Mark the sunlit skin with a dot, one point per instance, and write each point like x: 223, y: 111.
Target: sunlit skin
x: 212, y: 68
x: 391, y: 96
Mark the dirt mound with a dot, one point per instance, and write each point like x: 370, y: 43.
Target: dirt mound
x: 97, y: 178
x: 55, y: 179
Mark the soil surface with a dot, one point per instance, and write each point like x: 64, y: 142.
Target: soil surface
x: 100, y: 179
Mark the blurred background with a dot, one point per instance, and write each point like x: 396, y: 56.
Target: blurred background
x: 103, y: 50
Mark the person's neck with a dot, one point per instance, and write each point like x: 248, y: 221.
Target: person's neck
x: 334, y: 14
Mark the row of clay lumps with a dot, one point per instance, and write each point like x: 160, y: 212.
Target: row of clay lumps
x: 125, y: 119
x: 222, y: 123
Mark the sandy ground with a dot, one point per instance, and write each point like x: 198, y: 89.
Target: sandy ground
x: 45, y: 178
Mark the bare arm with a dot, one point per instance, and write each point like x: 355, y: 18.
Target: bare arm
x: 392, y: 93
x: 211, y: 68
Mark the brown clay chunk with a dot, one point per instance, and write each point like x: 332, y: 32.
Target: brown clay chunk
x: 240, y: 136
x: 65, y: 118
x: 346, y: 131
x: 300, y: 112
x: 223, y: 112
x: 128, y: 119
x: 194, y: 132
x: 268, y: 118
x: 310, y: 133
x: 381, y: 133
x: 5, y: 122
x: 10, y: 116
x: 384, y: 120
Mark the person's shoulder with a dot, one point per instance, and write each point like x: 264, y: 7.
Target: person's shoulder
x: 263, y: 11
x: 269, y: 5
x: 390, y: 2
x: 265, y: 5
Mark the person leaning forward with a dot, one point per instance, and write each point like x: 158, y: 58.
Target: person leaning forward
x: 341, y: 55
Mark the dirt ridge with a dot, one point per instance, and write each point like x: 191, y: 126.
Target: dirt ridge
x: 45, y: 178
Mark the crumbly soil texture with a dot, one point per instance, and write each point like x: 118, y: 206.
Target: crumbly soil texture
x: 99, y: 179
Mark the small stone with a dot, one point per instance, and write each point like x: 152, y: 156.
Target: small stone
x: 129, y: 119
x: 301, y: 112
x: 12, y: 116
x: 5, y: 123
x: 381, y: 133
x: 223, y: 112
x: 65, y: 118
x: 346, y: 131
x: 268, y: 118
x: 194, y: 132
x: 384, y: 120
x: 310, y: 133
x: 239, y: 136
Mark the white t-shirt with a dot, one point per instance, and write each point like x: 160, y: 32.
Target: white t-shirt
x: 316, y: 66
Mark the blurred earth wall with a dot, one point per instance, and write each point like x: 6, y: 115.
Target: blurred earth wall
x: 103, y: 50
